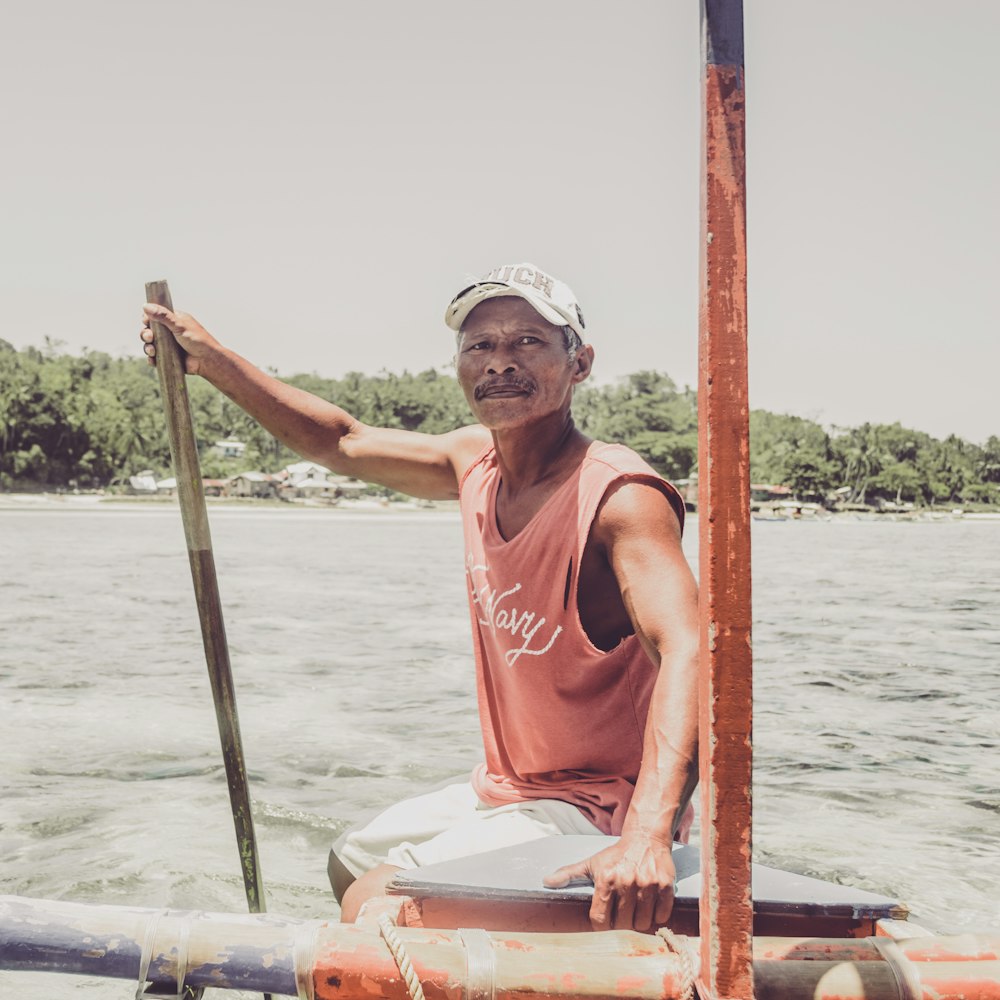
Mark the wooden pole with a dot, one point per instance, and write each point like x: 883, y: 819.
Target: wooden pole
x: 187, y: 470
x: 726, y: 694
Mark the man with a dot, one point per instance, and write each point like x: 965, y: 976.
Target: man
x: 583, y: 606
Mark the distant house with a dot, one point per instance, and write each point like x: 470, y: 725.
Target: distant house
x: 213, y: 487
x: 143, y: 483
x: 303, y: 480
x: 230, y: 448
x: 166, y: 487
x: 252, y: 484
x: 304, y: 470
x: 308, y: 488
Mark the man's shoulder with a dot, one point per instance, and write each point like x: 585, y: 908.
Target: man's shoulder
x: 469, y: 446
x: 620, y: 458
x: 629, y: 476
x: 474, y: 453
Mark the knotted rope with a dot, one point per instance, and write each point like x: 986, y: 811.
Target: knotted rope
x: 675, y: 943
x: 679, y: 946
x: 400, y: 956
x: 183, y: 992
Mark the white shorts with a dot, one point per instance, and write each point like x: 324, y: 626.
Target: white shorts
x: 451, y: 822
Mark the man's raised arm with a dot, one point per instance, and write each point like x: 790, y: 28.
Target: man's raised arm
x: 421, y: 465
x: 634, y: 879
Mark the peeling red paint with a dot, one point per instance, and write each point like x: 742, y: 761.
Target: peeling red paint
x: 630, y: 985
x: 726, y: 696
x: 513, y: 945
x: 964, y: 948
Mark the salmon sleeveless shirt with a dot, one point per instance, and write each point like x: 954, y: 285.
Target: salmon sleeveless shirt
x: 561, y: 719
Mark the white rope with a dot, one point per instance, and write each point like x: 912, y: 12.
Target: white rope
x: 400, y: 956
x: 907, y: 978
x: 304, y: 957
x: 147, y: 953
x: 182, y: 958
x: 679, y: 946
x: 183, y: 993
x: 480, y: 964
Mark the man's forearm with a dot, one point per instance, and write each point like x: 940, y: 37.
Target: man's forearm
x: 423, y: 465
x: 310, y: 426
x: 669, y: 771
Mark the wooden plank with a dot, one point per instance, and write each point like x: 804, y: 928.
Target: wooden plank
x: 514, y: 875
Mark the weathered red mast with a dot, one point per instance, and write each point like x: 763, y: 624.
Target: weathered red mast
x: 726, y: 663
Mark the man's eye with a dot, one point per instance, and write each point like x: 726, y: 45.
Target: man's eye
x: 529, y: 340
x: 481, y: 345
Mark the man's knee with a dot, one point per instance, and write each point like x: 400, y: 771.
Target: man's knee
x: 366, y: 887
x: 341, y: 877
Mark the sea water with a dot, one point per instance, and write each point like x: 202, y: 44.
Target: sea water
x: 876, y: 727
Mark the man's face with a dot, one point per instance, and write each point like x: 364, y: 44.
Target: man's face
x: 513, y: 365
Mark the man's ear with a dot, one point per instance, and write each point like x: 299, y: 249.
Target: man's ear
x: 583, y: 363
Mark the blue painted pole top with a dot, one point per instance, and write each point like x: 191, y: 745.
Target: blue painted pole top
x: 722, y: 32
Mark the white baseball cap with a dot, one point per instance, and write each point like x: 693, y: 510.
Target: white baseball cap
x: 552, y: 299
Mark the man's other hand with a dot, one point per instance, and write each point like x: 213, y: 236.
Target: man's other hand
x: 195, y: 340
x: 633, y: 884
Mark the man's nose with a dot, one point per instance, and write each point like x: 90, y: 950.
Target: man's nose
x: 495, y: 368
x: 501, y: 360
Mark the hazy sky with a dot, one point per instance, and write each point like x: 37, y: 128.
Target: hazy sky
x: 316, y: 179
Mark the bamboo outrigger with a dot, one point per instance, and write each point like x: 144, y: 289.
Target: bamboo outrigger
x: 813, y: 939
x: 317, y: 960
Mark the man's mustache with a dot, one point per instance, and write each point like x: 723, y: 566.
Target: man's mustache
x: 504, y: 382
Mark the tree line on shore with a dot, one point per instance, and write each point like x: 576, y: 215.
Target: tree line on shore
x: 90, y: 420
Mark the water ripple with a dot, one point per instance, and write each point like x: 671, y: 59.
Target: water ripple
x: 877, y: 709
